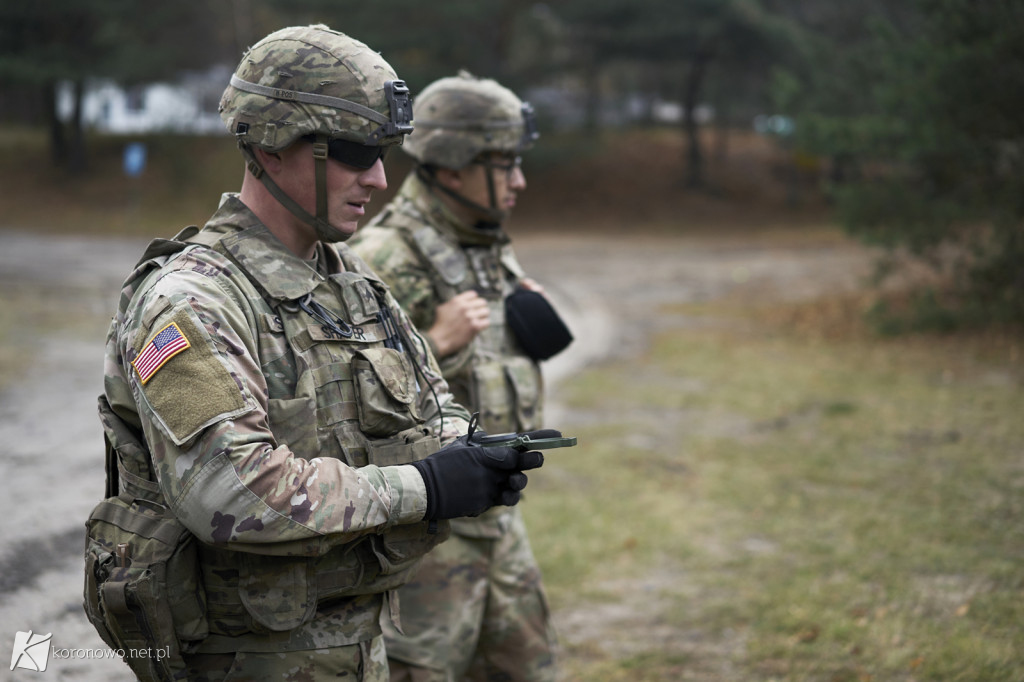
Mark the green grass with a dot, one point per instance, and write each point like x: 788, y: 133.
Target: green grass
x: 798, y: 508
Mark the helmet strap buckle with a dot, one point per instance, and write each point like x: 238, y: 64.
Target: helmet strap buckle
x: 254, y: 168
x: 320, y: 150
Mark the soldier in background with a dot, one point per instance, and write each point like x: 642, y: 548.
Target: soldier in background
x: 476, y: 607
x: 262, y: 383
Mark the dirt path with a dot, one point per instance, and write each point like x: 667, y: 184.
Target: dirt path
x: 613, y: 292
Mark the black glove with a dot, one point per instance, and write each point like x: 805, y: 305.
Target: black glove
x: 467, y: 480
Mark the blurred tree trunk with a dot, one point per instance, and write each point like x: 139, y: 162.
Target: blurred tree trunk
x: 67, y: 141
x: 722, y: 127
x: 691, y: 98
x: 592, y: 78
x: 58, y: 139
x: 74, y: 40
x: 77, y: 159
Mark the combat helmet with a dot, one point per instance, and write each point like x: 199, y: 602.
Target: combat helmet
x: 461, y: 118
x: 309, y: 82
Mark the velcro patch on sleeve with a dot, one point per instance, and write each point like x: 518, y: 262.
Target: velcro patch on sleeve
x: 192, y: 389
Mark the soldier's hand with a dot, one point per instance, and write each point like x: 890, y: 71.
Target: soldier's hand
x: 458, y: 320
x: 467, y: 480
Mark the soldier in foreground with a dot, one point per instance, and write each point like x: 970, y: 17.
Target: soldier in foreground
x: 476, y: 607
x: 273, y: 417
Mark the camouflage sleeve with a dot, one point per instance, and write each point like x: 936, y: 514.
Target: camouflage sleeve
x: 204, y: 414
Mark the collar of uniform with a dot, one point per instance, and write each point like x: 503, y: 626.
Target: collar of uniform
x: 268, y: 262
x: 440, y: 216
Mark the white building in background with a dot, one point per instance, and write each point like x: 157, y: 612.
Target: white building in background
x: 564, y: 105
x: 188, y: 106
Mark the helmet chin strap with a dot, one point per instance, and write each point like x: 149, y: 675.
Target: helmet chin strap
x: 324, y: 230
x: 493, y: 216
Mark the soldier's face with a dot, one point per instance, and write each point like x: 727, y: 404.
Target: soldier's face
x: 349, y: 189
x: 507, y: 177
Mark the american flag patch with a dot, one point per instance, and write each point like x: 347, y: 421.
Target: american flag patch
x: 167, y: 343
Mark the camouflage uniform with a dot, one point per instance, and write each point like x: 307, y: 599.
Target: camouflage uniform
x: 283, y: 409
x: 277, y: 442
x: 277, y: 402
x: 476, y: 605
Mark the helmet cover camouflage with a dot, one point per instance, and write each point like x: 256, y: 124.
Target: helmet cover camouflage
x: 462, y: 116
x: 308, y: 80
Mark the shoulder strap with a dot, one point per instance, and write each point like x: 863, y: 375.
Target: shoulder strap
x: 113, y: 486
x: 447, y: 259
x: 126, y: 455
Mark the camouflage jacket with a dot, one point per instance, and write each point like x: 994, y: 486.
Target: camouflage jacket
x: 278, y: 441
x: 427, y: 256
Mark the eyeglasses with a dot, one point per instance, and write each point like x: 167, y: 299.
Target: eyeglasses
x: 361, y: 156
x: 507, y: 163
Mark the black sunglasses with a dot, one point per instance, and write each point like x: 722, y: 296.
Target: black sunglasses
x: 353, y: 154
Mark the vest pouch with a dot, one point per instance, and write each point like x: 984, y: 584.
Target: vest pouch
x: 405, y: 447
x: 359, y: 297
x: 267, y: 594
x: 98, y: 567
x: 490, y: 391
x: 279, y: 593
x: 385, y: 391
x: 142, y: 588
x: 527, y: 392
x: 400, y: 548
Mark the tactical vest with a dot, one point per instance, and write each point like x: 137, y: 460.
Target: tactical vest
x: 346, y: 395
x: 492, y: 374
